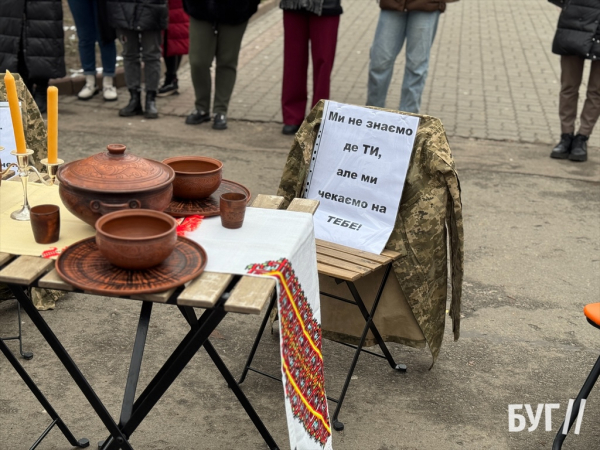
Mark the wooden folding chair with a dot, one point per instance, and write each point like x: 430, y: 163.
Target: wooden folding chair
x: 343, y: 264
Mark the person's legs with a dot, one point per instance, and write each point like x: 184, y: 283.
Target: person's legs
x: 420, y: 33
x: 387, y: 43
x: 170, y: 84
x: 151, y: 56
x: 131, y: 58
x: 203, y: 45
x: 591, y: 107
x: 589, y: 114
x: 84, y: 15
x: 108, y: 57
x: 323, y: 41
x: 131, y: 63
x: 570, y: 79
x: 295, y: 67
x: 108, y: 50
x: 172, y: 65
x: 229, y: 41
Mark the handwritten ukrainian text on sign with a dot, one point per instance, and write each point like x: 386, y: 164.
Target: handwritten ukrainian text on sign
x: 7, y: 136
x: 357, y: 172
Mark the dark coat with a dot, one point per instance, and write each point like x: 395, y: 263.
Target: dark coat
x: 37, y: 26
x: 138, y: 15
x: 416, y: 5
x: 230, y: 12
x: 329, y: 8
x: 177, y: 36
x: 578, y: 31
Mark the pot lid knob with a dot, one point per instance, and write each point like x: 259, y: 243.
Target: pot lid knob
x: 116, y: 149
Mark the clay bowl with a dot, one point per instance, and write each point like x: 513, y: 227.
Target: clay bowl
x: 136, y: 239
x: 196, y: 177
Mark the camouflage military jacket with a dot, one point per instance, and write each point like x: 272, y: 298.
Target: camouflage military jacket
x: 33, y: 123
x: 430, y: 213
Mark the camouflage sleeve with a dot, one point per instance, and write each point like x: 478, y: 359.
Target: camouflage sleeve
x: 455, y: 221
x: 444, y: 164
x: 33, y: 123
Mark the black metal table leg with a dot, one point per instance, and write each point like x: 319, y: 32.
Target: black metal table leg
x: 184, y: 352
x: 19, y: 337
x: 233, y: 385
x: 134, y: 371
x: 257, y: 340
x: 56, y: 420
x: 337, y: 425
x: 369, y: 325
x: 258, y: 423
x: 70, y: 365
x: 369, y: 317
x: 583, y: 395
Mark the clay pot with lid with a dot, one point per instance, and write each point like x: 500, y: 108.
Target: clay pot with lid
x: 114, y: 181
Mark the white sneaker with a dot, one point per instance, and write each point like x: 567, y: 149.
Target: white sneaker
x: 109, y: 92
x: 90, y: 89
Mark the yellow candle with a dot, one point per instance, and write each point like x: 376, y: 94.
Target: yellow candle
x: 15, y: 111
x: 52, y: 124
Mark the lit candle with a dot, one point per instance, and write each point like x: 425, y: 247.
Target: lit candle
x: 52, y: 124
x: 15, y: 111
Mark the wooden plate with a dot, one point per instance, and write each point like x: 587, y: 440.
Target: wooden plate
x: 206, y: 207
x: 83, y: 266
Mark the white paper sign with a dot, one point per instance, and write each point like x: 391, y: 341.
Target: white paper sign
x: 7, y: 136
x: 357, y: 172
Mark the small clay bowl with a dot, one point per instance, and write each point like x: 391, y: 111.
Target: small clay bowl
x: 136, y: 239
x: 196, y: 177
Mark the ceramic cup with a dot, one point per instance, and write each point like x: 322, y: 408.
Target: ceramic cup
x: 233, y: 209
x: 45, y: 223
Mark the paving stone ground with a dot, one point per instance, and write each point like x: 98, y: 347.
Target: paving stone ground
x: 492, y: 73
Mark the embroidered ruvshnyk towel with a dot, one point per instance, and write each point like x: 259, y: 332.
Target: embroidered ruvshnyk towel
x: 281, y: 244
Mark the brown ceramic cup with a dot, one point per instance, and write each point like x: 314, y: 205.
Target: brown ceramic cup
x: 45, y: 223
x: 233, y: 209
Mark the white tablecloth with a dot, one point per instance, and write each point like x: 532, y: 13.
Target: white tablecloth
x: 282, y: 244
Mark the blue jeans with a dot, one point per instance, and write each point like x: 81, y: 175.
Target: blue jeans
x: 394, y: 27
x: 85, y: 14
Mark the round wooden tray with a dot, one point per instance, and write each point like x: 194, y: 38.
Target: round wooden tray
x: 83, y: 266
x: 206, y: 207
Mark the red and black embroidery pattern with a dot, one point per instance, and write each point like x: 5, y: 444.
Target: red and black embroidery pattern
x: 302, y: 362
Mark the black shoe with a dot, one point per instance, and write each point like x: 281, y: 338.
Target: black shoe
x: 563, y: 148
x: 150, y: 111
x: 196, y: 117
x: 579, y: 148
x: 220, y: 121
x: 134, y: 107
x: 40, y: 100
x: 168, y: 89
x: 290, y: 129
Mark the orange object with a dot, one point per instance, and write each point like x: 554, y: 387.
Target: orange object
x: 52, y: 124
x: 15, y: 111
x: 592, y: 312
